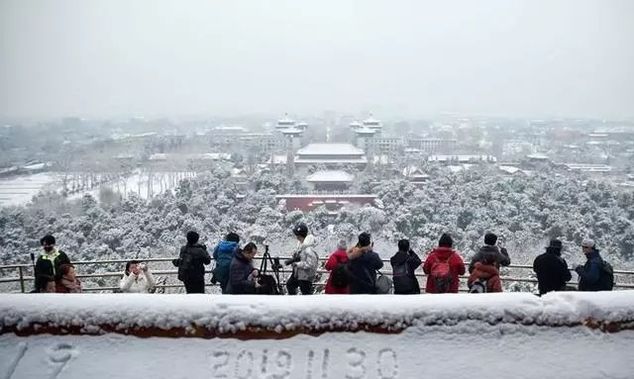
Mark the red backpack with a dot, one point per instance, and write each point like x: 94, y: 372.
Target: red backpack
x: 441, y: 275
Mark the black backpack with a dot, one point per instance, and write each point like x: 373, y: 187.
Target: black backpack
x: 607, y: 276
x: 184, y: 267
x: 401, y: 276
x: 340, y: 276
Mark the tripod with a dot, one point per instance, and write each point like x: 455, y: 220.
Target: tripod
x: 275, y: 268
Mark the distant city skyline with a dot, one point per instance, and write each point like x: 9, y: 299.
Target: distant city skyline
x: 403, y: 59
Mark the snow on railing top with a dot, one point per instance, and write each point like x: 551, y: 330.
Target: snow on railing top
x: 282, y: 316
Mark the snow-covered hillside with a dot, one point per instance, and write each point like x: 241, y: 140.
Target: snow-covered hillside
x: 580, y: 335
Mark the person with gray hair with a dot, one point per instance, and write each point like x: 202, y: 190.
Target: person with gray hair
x: 337, y: 265
x: 595, y: 274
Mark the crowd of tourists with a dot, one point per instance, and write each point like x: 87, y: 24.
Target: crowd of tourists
x: 352, y: 269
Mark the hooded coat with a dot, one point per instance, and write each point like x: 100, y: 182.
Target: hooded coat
x: 552, y: 271
x: 338, y: 257
x: 363, y: 273
x: 490, y: 273
x: 241, y: 281
x: 456, y: 265
x: 223, y: 255
x: 308, y: 260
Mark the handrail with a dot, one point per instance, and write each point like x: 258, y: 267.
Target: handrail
x: 22, y: 278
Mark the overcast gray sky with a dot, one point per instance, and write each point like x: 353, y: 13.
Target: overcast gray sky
x: 409, y: 58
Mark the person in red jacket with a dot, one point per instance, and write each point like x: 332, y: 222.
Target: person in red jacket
x: 338, y: 257
x: 443, y: 267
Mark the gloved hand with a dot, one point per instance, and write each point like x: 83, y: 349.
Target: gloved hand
x: 579, y: 269
x: 176, y: 262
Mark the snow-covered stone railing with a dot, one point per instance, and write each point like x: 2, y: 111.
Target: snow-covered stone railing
x: 519, y: 335
x: 247, y: 317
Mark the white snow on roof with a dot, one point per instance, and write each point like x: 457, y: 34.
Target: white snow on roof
x: 355, y: 124
x: 292, y: 131
x: 365, y: 131
x: 537, y: 156
x: 461, y: 158
x: 330, y: 149
x: 330, y: 176
x: 277, y: 159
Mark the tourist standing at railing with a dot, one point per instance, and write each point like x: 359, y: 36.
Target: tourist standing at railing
x: 404, y: 264
x: 304, y: 261
x: 191, y: 263
x: 137, y: 278
x: 68, y: 283
x: 443, y: 267
x: 362, y: 266
x: 491, y: 249
x: 223, y: 255
x: 595, y: 274
x: 338, y: 279
x: 243, y: 277
x: 485, y: 276
x: 551, y: 269
x: 49, y: 262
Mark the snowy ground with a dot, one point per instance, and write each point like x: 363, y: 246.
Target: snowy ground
x: 470, y: 336
x: 20, y: 190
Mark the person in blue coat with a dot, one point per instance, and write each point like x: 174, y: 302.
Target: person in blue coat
x: 223, y: 254
x: 590, y: 273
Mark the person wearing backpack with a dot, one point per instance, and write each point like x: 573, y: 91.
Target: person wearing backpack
x: 404, y: 263
x: 485, y: 276
x: 595, y: 274
x: 491, y: 248
x: 190, y: 262
x: 304, y: 261
x: 551, y: 269
x: 338, y: 279
x: 223, y: 255
x: 443, y: 267
x: 362, y: 266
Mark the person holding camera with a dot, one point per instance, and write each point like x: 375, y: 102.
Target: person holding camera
x: 491, y: 248
x: 304, y: 262
x: 137, y: 278
x: 190, y: 263
x: 243, y: 277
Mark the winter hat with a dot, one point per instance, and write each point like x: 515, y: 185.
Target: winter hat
x: 587, y: 242
x: 192, y: 237
x: 301, y: 230
x: 554, y: 247
x: 342, y: 245
x: 445, y: 240
x: 47, y: 239
x: 232, y: 237
x: 365, y: 239
x: 490, y: 239
x: 403, y: 245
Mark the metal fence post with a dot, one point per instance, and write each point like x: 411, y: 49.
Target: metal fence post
x: 21, y: 278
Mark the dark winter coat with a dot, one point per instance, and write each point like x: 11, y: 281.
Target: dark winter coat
x: 336, y: 258
x: 456, y: 265
x: 501, y: 256
x: 240, y: 270
x: 407, y: 285
x: 47, y: 265
x: 191, y: 261
x: 590, y: 273
x: 363, y: 273
x: 488, y: 273
x: 223, y: 255
x: 552, y: 272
